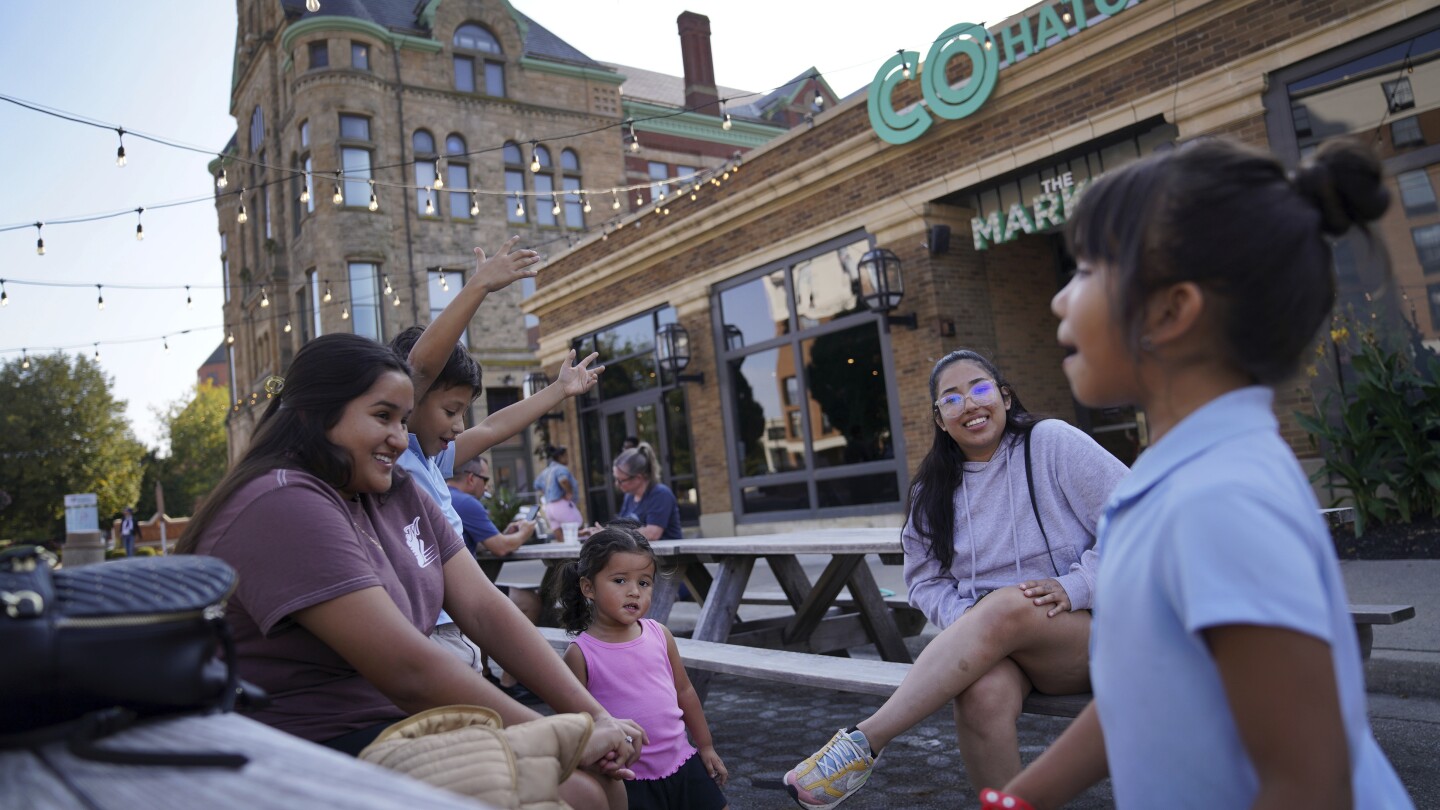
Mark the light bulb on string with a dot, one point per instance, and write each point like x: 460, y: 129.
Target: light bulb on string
x: 904, y: 63
x: 287, y: 326
x: 638, y: 201
x: 474, y: 205
x: 338, y: 197
x: 99, y: 297
x: 4, y: 296
x: 1065, y: 17
x: 439, y: 174
x: 819, y: 96
x: 614, y: 200
x: 223, y: 180
x: 444, y: 285
x: 519, y: 208
x: 725, y: 125
x: 660, y: 192
x: 388, y: 289
x: 586, y: 198
x: 165, y: 341
x: 429, y: 202
x: 374, y: 204
x: 39, y: 239
x: 534, y: 158
x: 24, y: 359
x: 554, y: 206
x: 345, y: 313
x: 312, y: 6
x: 120, y: 153
x: 634, y: 139
x: 264, y: 297
x: 230, y: 336
x: 189, y: 302
x: 326, y: 297
x: 693, y: 191
x: 305, y: 192
x: 139, y: 226
x: 97, y: 352
x: 241, y: 217
x: 396, y: 302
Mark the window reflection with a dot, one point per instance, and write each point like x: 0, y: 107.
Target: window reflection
x: 758, y: 309
x: 824, y: 287
x: 765, y: 445
x: 848, y: 407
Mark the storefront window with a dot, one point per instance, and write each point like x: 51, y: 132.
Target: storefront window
x: 809, y: 411
x: 634, y: 398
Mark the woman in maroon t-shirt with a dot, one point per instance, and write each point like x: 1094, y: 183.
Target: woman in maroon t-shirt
x: 345, y: 564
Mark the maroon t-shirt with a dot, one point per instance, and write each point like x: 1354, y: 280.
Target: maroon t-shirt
x: 297, y: 543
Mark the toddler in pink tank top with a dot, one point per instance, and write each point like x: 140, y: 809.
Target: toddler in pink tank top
x: 631, y: 666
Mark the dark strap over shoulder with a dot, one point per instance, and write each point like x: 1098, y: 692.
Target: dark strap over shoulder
x: 1030, y: 482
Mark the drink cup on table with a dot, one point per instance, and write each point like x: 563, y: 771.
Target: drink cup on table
x: 570, y: 532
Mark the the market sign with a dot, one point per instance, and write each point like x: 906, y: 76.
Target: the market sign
x: 1050, y: 208
x: 1049, y: 25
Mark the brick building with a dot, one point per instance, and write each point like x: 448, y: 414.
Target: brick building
x: 379, y: 141
x: 813, y: 405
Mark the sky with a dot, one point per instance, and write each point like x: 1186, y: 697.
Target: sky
x: 163, y: 68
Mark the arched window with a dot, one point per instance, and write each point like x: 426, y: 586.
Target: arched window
x: 479, y: 61
x: 425, y: 164
x: 457, y: 177
x: 545, y: 199
x: 571, y: 184
x: 516, y: 204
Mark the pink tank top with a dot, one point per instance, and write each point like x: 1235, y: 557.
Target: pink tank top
x: 633, y: 680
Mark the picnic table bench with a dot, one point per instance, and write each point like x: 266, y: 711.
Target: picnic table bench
x: 881, y: 678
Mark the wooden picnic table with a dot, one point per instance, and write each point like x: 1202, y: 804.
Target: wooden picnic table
x: 284, y: 772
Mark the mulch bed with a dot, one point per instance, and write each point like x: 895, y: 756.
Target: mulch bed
x: 1418, y: 540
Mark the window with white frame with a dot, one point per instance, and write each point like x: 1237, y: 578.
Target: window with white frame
x: 356, y: 149
x: 457, y: 178
x: 359, y: 56
x: 364, y: 280
x: 478, y: 54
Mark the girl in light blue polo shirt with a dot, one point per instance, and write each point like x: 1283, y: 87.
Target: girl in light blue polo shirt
x: 1224, y: 663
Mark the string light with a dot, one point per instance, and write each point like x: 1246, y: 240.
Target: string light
x: 305, y: 191
x: 396, y: 302
x: 638, y: 202
x: 99, y: 297
x: 230, y: 337
x: 439, y: 174
x: 287, y: 326
x: 326, y: 297
x: 586, y: 198
x: 660, y: 195
x: 4, y: 296
x: 634, y: 139
x: 139, y: 226
x: 614, y: 204
x: 519, y: 208
x: 165, y: 340
x: 725, y: 125
x: 338, y: 197
x: 312, y: 6
x: 554, y: 205
x: 444, y: 285
x: 224, y: 180
x: 40, y: 239
x: 120, y: 153
x: 24, y: 359
x: 374, y: 204
x: 534, y: 158
x: 904, y: 63
x: 429, y: 202
x: 388, y: 289
x: 1065, y: 17
x: 241, y: 217
x: 345, y: 313
x: 97, y: 352
x: 264, y: 297
x: 474, y: 205
x: 819, y: 96
x: 189, y: 302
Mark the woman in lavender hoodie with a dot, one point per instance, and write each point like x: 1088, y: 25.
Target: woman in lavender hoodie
x: 1006, y: 576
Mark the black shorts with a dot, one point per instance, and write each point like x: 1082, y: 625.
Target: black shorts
x: 689, y: 788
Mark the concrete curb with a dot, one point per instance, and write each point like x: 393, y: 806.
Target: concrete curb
x: 1409, y: 673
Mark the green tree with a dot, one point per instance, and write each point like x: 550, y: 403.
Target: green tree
x: 61, y: 431
x: 195, y: 430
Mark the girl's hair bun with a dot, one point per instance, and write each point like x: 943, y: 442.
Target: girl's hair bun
x: 1345, y: 183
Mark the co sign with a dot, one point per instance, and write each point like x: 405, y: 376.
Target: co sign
x: 967, y: 39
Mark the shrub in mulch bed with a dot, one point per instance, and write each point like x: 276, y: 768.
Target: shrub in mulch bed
x: 1418, y: 540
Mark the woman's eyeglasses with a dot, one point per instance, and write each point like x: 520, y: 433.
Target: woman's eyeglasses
x: 984, y: 393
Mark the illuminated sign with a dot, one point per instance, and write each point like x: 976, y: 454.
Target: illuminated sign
x: 1049, y: 25
x: 1050, y: 208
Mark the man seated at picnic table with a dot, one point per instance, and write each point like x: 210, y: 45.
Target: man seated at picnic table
x: 467, y: 489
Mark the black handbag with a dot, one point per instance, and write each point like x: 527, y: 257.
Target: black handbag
x: 90, y: 650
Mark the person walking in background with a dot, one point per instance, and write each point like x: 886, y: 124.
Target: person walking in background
x: 129, y: 530
x: 557, y: 488
x: 647, y: 501
x: 1000, y: 554
x: 1226, y: 668
x: 631, y: 664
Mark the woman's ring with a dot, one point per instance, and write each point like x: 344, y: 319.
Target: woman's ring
x: 629, y: 739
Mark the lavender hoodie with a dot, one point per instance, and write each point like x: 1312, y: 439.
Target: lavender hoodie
x: 997, y: 541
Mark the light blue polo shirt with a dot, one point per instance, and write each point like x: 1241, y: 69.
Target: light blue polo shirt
x: 1215, y: 525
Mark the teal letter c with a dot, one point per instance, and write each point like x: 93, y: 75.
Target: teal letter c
x: 891, y: 125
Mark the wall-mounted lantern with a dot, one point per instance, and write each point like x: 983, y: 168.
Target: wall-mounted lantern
x: 535, y: 382
x: 882, y: 285
x: 672, y: 347
x: 734, y: 338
